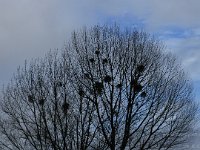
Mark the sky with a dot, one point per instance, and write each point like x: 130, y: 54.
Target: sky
x: 30, y: 28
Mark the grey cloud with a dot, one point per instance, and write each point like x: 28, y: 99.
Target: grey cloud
x: 29, y: 28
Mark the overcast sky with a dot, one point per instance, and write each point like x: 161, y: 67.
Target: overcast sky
x: 30, y: 28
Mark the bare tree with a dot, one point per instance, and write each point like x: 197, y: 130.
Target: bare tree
x: 109, y: 89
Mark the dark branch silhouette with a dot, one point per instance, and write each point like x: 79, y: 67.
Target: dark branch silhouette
x: 109, y: 89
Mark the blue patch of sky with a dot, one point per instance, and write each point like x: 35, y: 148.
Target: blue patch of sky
x: 125, y: 20
x: 173, y: 32
x: 131, y: 21
x: 196, y: 85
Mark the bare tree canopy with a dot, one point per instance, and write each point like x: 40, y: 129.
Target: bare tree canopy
x: 109, y: 89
